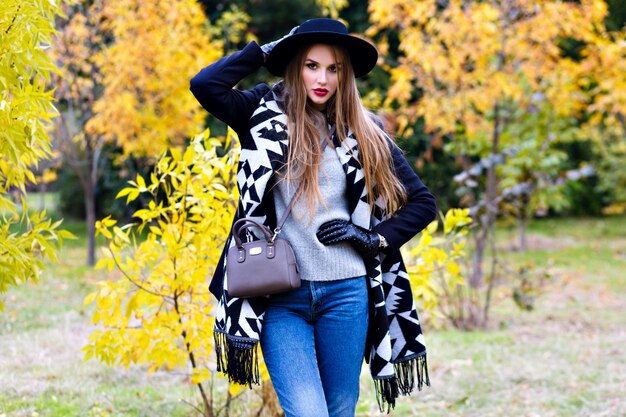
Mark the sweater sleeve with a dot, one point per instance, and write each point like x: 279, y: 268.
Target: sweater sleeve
x: 419, y: 211
x: 213, y: 88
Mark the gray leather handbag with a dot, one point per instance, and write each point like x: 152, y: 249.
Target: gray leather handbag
x: 261, y: 267
x: 266, y: 266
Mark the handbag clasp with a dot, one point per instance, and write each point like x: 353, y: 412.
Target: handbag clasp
x: 276, y: 233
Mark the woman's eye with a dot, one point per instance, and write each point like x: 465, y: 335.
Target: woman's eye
x: 311, y: 66
x: 333, y: 69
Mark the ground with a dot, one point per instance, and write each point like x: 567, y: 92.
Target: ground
x: 564, y: 358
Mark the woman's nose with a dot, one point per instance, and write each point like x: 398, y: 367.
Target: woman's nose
x: 321, y: 77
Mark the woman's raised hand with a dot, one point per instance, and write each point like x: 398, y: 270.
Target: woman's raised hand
x: 267, y: 48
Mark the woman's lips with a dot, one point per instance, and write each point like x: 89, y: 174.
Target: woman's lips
x: 320, y: 92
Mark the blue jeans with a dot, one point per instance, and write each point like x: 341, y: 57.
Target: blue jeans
x: 313, y: 343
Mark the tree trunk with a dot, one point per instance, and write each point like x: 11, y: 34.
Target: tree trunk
x: 521, y: 230
x: 90, y: 209
x: 85, y: 163
x: 208, y: 406
x: 487, y: 221
x: 42, y: 195
x: 270, y: 400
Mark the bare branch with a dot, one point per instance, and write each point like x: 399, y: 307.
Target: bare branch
x: 134, y: 282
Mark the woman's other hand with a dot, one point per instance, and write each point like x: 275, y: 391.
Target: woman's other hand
x: 366, y: 242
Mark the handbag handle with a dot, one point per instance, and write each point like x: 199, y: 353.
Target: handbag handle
x: 243, y: 224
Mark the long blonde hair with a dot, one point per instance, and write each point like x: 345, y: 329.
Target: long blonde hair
x: 345, y: 109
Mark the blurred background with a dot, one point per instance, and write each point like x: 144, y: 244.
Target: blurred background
x: 117, y: 192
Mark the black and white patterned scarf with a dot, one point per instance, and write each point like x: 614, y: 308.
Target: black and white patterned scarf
x: 396, y: 350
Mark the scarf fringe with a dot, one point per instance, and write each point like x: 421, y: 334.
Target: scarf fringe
x: 386, y: 393
x: 237, y: 359
x: 407, y: 372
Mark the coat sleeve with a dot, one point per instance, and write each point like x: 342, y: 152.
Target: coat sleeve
x: 418, y: 212
x: 213, y: 88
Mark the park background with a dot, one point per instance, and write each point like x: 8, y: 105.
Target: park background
x: 511, y: 111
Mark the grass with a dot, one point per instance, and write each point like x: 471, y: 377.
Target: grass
x: 563, y: 359
x: 41, y: 368
x: 38, y: 201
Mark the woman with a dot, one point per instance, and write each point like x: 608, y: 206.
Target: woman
x: 359, y: 203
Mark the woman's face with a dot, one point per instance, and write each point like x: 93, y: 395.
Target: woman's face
x: 320, y: 75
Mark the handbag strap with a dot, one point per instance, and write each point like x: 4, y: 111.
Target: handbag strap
x: 292, y: 203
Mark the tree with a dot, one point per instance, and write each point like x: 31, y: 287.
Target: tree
x: 126, y: 69
x: 26, y: 107
x: 470, y: 69
x: 78, y: 87
x: 157, y: 311
x: 603, y: 74
x: 532, y: 179
x: 156, y: 48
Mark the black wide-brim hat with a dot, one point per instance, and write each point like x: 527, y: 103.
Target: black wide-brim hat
x: 363, y: 54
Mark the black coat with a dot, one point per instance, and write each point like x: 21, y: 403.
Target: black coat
x: 213, y: 88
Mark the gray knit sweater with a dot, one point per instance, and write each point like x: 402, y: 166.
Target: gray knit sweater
x: 316, y: 261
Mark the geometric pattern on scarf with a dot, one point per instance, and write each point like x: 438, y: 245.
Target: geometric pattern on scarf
x: 396, y: 352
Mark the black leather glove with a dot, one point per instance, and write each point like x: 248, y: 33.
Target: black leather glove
x: 267, y: 48
x: 366, y: 242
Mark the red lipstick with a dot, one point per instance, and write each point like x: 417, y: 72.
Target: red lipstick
x: 320, y: 92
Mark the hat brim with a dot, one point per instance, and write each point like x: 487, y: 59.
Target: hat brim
x: 363, y: 55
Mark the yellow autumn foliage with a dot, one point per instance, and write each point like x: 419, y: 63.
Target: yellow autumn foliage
x: 331, y: 8
x: 26, y: 108
x: 434, y: 264
x: 158, y: 47
x: 155, y: 310
x: 469, y: 57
